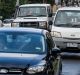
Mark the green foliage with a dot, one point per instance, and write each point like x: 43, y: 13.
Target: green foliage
x: 23, y: 2
x: 7, y: 7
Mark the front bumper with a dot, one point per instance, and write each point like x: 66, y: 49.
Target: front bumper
x: 62, y: 43
x: 41, y: 73
x: 20, y: 71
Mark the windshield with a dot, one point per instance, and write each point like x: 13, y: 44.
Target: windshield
x: 20, y: 42
x: 32, y: 11
x: 68, y: 18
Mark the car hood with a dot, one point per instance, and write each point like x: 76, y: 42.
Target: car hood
x: 19, y: 60
x: 68, y: 32
x: 30, y: 19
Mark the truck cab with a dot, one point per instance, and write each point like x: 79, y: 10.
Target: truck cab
x: 33, y: 15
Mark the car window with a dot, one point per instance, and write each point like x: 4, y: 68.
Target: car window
x: 22, y: 42
x: 32, y: 11
x: 67, y: 18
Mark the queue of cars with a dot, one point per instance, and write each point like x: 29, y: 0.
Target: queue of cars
x: 29, y: 50
x: 31, y: 46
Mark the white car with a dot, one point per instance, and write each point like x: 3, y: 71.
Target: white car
x: 66, y: 28
x: 33, y: 15
x: 7, y: 22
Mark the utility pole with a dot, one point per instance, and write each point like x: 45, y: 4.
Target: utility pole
x: 44, y: 1
x: 17, y: 2
x: 17, y: 5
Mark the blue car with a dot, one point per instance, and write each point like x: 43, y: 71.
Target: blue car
x: 28, y: 51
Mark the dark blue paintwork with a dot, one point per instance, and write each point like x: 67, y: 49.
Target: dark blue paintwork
x: 20, y: 62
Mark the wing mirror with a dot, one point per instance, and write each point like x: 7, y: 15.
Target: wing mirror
x: 56, y: 50
x: 50, y: 15
x: 50, y: 22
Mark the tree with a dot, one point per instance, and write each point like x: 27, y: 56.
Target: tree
x: 7, y: 8
x: 23, y: 2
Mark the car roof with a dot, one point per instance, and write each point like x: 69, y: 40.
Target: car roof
x: 69, y: 8
x: 28, y: 5
x: 23, y: 29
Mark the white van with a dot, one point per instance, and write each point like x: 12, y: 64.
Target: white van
x: 33, y: 15
x: 66, y: 27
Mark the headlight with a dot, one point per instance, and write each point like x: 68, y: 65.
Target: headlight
x: 37, y: 68
x: 43, y: 24
x: 15, y: 24
x: 3, y: 71
x: 56, y: 34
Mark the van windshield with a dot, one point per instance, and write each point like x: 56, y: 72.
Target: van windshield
x: 32, y: 12
x: 67, y: 18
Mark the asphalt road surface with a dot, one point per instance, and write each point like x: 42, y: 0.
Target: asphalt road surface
x: 71, y: 64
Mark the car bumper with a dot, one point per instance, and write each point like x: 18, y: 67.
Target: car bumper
x: 24, y: 74
x: 63, y: 43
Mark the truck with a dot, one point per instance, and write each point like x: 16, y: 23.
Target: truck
x: 34, y: 15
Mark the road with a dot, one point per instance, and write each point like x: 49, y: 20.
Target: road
x: 71, y: 65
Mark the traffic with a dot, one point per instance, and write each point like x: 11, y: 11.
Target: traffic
x: 36, y: 40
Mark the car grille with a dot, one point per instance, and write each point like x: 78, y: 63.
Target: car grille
x: 29, y: 24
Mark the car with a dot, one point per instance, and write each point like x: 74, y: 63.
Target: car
x: 66, y: 28
x: 28, y: 51
x: 7, y: 22
x: 33, y: 15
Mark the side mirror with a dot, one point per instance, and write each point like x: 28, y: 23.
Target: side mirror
x: 50, y: 15
x: 50, y: 22
x: 56, y: 50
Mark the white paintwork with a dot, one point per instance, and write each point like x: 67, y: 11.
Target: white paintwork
x: 6, y: 24
x: 30, y: 19
x: 30, y: 5
x: 69, y: 8
x: 68, y: 32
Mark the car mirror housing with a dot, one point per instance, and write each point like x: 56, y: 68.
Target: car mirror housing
x: 55, y: 50
x: 50, y: 22
x: 50, y: 15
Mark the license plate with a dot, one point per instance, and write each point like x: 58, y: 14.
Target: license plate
x: 72, y: 45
